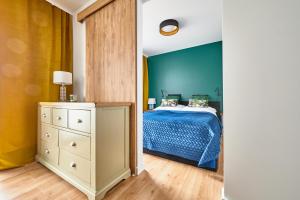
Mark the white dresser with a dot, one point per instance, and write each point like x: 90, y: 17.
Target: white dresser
x: 85, y: 144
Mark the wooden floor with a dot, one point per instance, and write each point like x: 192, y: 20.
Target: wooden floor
x: 162, y: 180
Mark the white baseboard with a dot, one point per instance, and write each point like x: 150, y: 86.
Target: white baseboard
x: 139, y: 170
x: 223, y: 194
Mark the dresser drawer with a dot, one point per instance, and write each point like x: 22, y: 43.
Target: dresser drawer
x: 75, y: 165
x: 49, y: 153
x: 76, y: 144
x: 60, y: 117
x: 46, y: 115
x: 49, y: 135
x: 80, y: 120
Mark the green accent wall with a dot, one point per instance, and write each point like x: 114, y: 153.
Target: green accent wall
x: 196, y: 70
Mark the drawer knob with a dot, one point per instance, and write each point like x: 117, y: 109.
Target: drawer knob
x: 79, y: 121
x: 47, y: 135
x: 73, y: 165
x: 47, y: 151
x: 44, y: 115
x: 58, y: 118
x: 73, y: 144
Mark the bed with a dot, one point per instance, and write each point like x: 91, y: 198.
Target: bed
x: 184, y: 134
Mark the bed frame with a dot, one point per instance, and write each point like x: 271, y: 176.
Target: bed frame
x: 179, y: 159
x: 214, y: 104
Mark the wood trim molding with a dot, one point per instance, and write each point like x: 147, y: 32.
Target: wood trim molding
x: 133, y: 140
x: 92, y: 9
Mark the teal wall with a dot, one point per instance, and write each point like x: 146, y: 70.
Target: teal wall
x: 196, y: 70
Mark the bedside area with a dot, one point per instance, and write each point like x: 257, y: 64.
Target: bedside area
x: 86, y: 144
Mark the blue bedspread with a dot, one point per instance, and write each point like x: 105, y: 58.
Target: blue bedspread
x: 190, y: 135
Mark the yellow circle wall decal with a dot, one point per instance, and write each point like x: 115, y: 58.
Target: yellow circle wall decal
x: 16, y: 45
x: 10, y: 70
x: 33, y: 90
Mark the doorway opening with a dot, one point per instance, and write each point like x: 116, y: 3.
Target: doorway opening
x: 182, y: 95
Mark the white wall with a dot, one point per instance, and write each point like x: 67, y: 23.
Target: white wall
x: 140, y: 161
x: 261, y: 41
x: 79, y: 53
x: 79, y: 58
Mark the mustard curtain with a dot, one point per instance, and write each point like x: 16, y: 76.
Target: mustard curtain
x: 146, y: 83
x: 36, y: 39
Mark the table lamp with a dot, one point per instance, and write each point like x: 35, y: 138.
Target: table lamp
x: 151, y: 103
x: 62, y: 78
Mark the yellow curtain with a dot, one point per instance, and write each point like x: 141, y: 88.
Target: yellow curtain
x: 36, y: 39
x: 146, y: 84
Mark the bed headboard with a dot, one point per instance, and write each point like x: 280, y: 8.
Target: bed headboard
x: 172, y: 95
x: 215, y: 104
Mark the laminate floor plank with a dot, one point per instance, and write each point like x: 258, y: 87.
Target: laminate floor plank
x: 162, y: 179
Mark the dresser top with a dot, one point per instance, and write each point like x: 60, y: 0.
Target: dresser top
x: 68, y: 104
x: 85, y: 104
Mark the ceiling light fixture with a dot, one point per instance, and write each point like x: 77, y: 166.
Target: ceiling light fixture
x: 169, y: 27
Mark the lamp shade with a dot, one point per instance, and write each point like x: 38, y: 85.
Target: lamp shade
x: 62, y: 78
x: 151, y: 101
x: 169, y: 27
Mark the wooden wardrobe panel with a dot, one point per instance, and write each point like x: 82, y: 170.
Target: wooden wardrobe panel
x: 111, y: 59
x: 91, y: 9
x: 111, y: 53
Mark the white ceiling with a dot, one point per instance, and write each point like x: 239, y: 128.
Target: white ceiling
x: 200, y: 22
x: 71, y: 6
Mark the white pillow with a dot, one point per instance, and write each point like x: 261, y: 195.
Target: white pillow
x: 176, y: 108
x: 188, y: 109
x: 200, y: 109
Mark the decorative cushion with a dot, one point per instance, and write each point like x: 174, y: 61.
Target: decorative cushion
x: 169, y: 102
x: 199, y: 101
x: 164, y: 102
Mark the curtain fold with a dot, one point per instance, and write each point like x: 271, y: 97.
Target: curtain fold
x: 145, y: 83
x: 36, y: 39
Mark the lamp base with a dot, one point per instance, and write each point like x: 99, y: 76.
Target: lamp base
x: 62, y: 93
x: 151, y: 106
